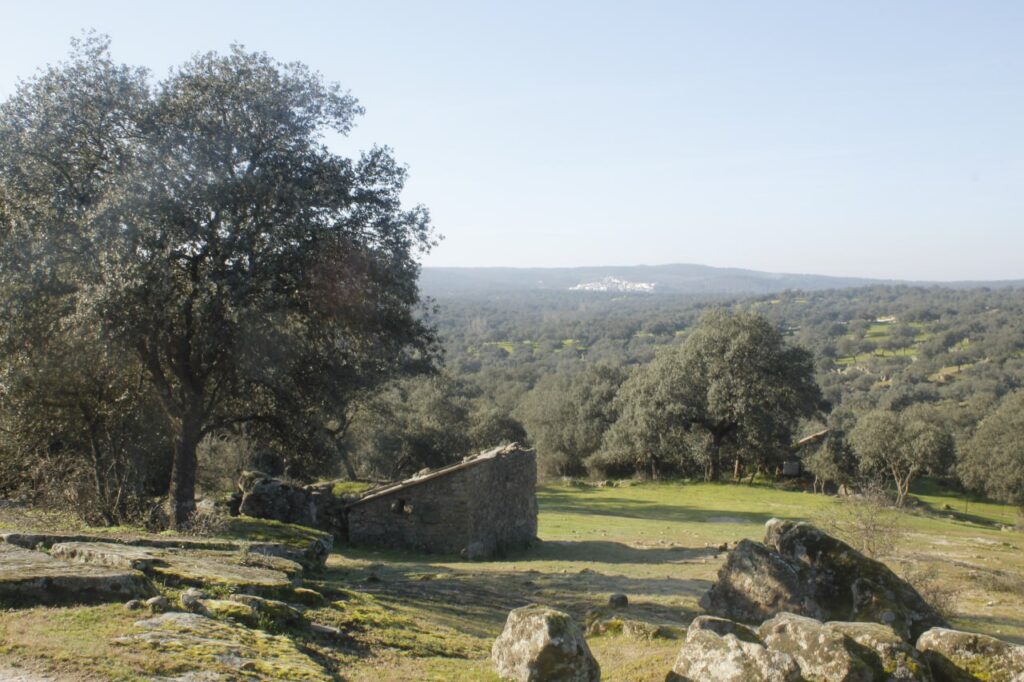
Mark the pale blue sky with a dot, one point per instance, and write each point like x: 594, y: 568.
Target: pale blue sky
x: 879, y: 139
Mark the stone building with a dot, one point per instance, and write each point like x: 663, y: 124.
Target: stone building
x: 481, y: 507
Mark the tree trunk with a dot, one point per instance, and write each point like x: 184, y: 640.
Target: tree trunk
x: 736, y: 469
x: 181, y: 496
x: 350, y: 470
x: 716, y: 458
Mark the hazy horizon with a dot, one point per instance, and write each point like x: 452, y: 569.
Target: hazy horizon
x: 874, y: 140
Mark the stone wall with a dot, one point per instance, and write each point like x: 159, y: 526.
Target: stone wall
x: 479, y: 508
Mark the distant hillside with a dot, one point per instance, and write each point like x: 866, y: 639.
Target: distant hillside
x: 677, y: 278
x: 668, y: 279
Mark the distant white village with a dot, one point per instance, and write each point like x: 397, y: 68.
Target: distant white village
x: 614, y: 284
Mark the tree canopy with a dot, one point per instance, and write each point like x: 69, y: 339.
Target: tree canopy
x: 733, y: 383
x: 903, y: 445
x: 993, y: 460
x: 202, y: 226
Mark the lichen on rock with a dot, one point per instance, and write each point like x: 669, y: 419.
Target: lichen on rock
x: 956, y: 656
x: 803, y: 570
x: 541, y: 644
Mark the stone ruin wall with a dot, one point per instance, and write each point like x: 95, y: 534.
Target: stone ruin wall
x: 479, y: 508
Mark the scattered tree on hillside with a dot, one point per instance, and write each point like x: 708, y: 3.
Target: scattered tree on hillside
x: 993, y: 459
x: 567, y: 414
x: 202, y: 226
x: 903, y: 445
x: 733, y: 381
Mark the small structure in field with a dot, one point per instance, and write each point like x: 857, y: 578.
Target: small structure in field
x: 480, y: 507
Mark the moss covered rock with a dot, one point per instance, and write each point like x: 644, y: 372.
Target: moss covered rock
x: 231, y: 610
x: 199, y: 643
x: 272, y: 610
x: 956, y: 656
x: 541, y: 644
x: 894, y: 659
x: 718, y: 649
x: 823, y: 654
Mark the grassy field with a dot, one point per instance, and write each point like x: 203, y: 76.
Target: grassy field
x: 433, y: 618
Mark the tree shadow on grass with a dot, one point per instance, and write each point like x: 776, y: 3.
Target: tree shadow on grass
x: 606, y: 552
x: 476, y: 598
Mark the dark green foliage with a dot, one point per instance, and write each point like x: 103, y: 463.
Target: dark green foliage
x: 567, y: 414
x: 993, y: 460
x: 202, y: 228
x: 411, y: 425
x: 901, y: 446
x: 732, y: 389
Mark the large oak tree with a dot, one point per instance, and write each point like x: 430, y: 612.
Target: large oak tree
x: 202, y: 224
x: 733, y: 385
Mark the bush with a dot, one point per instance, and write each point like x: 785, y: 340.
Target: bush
x: 868, y: 522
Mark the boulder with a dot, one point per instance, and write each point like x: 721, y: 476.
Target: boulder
x: 823, y: 654
x: 843, y: 651
x: 618, y: 601
x: 800, y: 569
x: 541, y: 644
x: 896, y: 658
x: 29, y: 577
x: 956, y: 656
x: 271, y: 498
x: 158, y: 604
x: 755, y: 583
x: 191, y: 600
x: 709, y: 655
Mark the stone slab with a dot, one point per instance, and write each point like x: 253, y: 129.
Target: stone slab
x: 223, y: 648
x: 177, y: 566
x: 31, y: 577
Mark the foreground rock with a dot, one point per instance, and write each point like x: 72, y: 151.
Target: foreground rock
x: 223, y: 650
x: 718, y: 649
x: 956, y: 656
x: 848, y: 652
x: 31, y: 577
x: 796, y: 648
x: 800, y: 569
x: 540, y: 644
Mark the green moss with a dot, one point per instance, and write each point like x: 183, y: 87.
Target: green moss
x: 341, y: 488
x: 225, y: 609
x: 306, y: 596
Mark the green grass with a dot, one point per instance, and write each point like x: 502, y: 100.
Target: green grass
x: 268, y: 530
x: 349, y: 487
x: 878, y: 331
x: 414, y: 616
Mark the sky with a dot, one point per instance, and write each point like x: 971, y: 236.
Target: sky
x: 870, y: 138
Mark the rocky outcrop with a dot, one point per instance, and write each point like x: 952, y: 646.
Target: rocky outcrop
x: 792, y: 647
x: 956, y: 656
x: 264, y: 497
x: 31, y: 577
x: 220, y: 647
x: 177, y: 567
x: 800, y: 569
x: 540, y: 644
x: 843, y: 652
x: 718, y: 649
